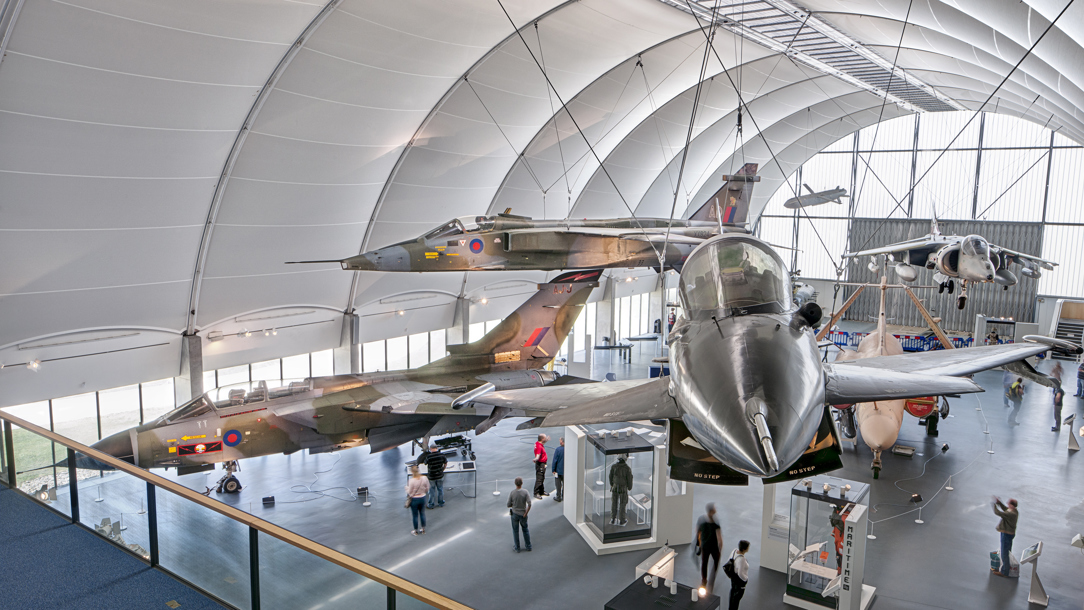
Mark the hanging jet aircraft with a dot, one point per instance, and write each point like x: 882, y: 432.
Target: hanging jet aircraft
x: 383, y: 409
x: 812, y: 199
x: 746, y: 378
x: 507, y: 242
x: 952, y: 257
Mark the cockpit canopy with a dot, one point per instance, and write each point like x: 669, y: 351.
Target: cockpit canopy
x: 973, y: 245
x: 458, y: 226
x: 735, y: 275
x: 235, y: 395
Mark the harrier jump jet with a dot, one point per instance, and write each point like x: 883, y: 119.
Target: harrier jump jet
x: 507, y: 242
x: 953, y: 257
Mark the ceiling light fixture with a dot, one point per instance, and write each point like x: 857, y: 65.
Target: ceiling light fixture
x: 34, y: 365
x: 402, y: 313
x: 274, y: 331
x: 483, y: 301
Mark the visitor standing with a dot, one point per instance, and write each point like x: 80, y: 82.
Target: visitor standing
x: 416, y: 490
x: 434, y: 466
x: 540, y: 459
x: 741, y: 574
x: 559, y: 471
x: 1059, y: 397
x: 1010, y: 515
x: 519, y: 504
x: 1016, y: 397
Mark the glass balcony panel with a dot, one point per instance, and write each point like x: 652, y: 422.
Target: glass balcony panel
x: 291, y: 578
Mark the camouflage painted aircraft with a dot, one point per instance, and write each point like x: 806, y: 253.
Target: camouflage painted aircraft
x: 383, y: 409
x: 508, y: 242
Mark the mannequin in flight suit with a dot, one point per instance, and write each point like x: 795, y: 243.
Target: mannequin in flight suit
x: 620, y: 484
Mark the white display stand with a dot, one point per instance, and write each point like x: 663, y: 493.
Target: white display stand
x: 672, y: 515
x: 1037, y: 595
x: 774, y: 532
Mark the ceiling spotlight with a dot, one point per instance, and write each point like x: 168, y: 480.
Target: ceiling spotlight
x: 484, y: 301
x: 247, y: 332
x: 628, y: 279
x: 266, y: 333
x: 34, y: 365
x: 402, y: 313
x: 274, y: 331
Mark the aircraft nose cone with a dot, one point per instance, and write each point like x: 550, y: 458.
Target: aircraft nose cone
x: 360, y: 262
x: 118, y: 445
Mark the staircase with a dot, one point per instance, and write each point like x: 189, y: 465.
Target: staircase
x: 1069, y: 330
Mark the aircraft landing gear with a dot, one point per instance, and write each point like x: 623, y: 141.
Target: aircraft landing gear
x: 229, y: 483
x: 931, y: 424
x: 944, y: 410
x: 876, y: 465
x: 961, y: 301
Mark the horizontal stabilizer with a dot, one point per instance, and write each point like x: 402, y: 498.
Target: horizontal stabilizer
x: 591, y: 403
x: 849, y: 384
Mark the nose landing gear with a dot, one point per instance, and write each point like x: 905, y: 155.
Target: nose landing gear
x: 229, y: 483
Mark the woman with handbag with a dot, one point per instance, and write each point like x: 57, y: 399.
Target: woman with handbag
x: 416, y: 490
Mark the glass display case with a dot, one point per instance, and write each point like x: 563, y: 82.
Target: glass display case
x: 819, y: 507
x: 618, y: 499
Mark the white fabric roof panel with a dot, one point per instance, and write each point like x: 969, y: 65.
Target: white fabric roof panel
x: 118, y: 118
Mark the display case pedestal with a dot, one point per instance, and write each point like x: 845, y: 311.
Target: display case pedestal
x: 659, y: 511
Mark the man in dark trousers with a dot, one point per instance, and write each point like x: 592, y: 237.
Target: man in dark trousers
x: 1079, y: 380
x: 559, y: 471
x: 434, y: 464
x: 620, y: 484
x: 1007, y: 528
x: 1016, y: 397
x: 1059, y: 398
x: 540, y: 459
x: 741, y: 574
x: 709, y: 537
x: 519, y: 504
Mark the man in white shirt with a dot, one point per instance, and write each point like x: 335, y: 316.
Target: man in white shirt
x: 741, y: 574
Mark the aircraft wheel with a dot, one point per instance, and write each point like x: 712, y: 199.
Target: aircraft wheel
x: 472, y: 456
x: 876, y: 472
x: 951, y: 286
x: 961, y: 302
x: 931, y: 425
x: 1005, y: 287
x: 941, y: 288
x: 231, y: 486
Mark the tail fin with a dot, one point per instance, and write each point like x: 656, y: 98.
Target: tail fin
x: 731, y: 201
x: 535, y: 331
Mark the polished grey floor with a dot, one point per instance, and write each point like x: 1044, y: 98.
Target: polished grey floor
x: 467, y: 551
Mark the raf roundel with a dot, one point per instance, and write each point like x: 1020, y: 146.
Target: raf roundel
x: 232, y: 438
x: 476, y: 245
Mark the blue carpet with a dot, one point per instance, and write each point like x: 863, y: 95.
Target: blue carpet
x: 46, y: 562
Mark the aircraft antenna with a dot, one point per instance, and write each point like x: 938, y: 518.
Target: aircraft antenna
x: 689, y: 138
x: 586, y: 140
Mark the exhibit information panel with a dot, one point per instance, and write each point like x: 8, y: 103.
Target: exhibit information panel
x: 617, y: 498
x: 819, y: 509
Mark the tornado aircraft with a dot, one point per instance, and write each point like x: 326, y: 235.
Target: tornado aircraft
x: 746, y: 378
x: 383, y: 409
x: 508, y: 242
x: 968, y: 259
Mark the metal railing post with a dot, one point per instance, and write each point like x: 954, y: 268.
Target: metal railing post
x: 254, y: 565
x: 152, y: 524
x: 391, y: 598
x: 73, y: 486
x: 10, y: 449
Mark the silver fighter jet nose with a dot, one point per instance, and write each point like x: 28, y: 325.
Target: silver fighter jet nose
x: 118, y: 445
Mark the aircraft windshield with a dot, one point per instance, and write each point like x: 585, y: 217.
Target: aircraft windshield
x: 195, y: 408
x: 735, y: 276
x: 975, y: 246
x: 475, y: 223
x: 452, y: 227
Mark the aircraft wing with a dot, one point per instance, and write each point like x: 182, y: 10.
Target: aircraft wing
x: 1020, y: 256
x: 954, y: 362
x: 654, y: 234
x: 922, y: 245
x: 849, y: 384
x: 590, y: 403
x: 675, y: 238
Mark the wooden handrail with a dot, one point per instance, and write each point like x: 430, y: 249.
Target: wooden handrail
x: 328, y: 554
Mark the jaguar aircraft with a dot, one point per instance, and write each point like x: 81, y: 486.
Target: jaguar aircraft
x: 383, y: 409
x: 952, y: 257
x: 504, y: 241
x: 746, y: 378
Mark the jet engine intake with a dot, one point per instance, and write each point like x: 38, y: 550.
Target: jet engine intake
x: 948, y: 261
